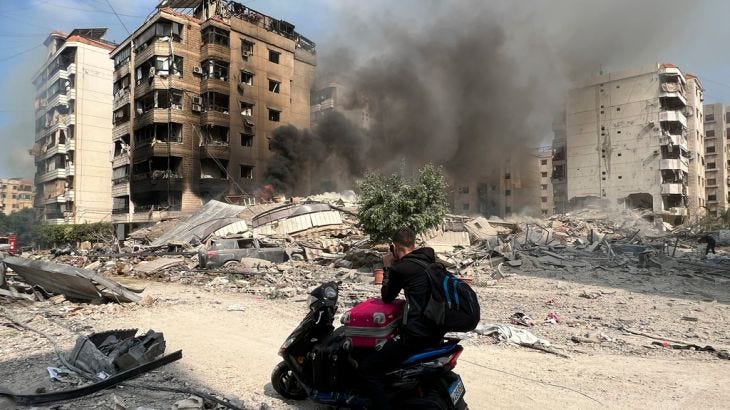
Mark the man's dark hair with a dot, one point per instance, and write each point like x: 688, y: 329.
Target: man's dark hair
x: 405, y: 236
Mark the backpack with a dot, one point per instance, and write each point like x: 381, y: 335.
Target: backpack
x: 453, y: 305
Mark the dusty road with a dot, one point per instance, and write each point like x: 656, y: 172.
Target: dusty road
x: 233, y: 351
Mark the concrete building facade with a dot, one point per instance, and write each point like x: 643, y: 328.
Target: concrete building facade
x: 717, y: 154
x: 73, y: 129
x: 518, y: 186
x: 196, y: 97
x: 635, y: 139
x: 15, y: 194
x: 333, y: 97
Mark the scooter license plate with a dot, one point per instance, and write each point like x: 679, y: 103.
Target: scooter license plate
x: 456, y: 390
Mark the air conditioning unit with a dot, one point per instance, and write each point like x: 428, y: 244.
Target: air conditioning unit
x: 197, y: 70
x: 196, y: 108
x: 195, y: 100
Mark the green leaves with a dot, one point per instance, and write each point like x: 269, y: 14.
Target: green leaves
x: 390, y: 202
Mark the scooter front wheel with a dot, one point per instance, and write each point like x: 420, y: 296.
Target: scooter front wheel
x: 284, y: 382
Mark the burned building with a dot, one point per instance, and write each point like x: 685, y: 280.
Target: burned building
x: 717, y: 155
x: 198, y: 89
x: 558, y: 172
x: 73, y: 128
x: 333, y: 97
x: 635, y: 139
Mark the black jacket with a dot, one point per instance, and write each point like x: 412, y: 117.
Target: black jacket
x: 412, y: 279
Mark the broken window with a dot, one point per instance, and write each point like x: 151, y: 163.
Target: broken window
x: 121, y: 146
x: 122, y: 56
x: 213, y: 101
x: 158, y: 132
x: 215, y: 35
x: 274, y: 115
x: 121, y: 86
x: 121, y: 115
x: 167, y: 200
x: 160, y: 66
x: 215, y: 135
x: 247, y: 140
x: 213, y: 168
x: 162, y: 29
x: 215, y: 69
x: 159, y: 99
x: 157, y: 168
x: 120, y: 205
x: 247, y: 77
x: 274, y: 86
x: 274, y: 56
x: 120, y: 175
x: 246, y: 48
x: 246, y: 109
x: 246, y: 171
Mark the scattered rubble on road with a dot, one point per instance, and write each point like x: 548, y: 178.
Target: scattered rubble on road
x: 607, y: 262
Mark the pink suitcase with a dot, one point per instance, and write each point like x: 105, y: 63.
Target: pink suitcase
x: 372, y: 323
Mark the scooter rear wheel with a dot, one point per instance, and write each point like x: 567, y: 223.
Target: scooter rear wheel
x: 284, y: 382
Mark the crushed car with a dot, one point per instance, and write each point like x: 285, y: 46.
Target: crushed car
x: 228, y: 252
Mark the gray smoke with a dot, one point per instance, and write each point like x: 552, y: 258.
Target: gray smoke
x: 323, y: 159
x: 466, y: 84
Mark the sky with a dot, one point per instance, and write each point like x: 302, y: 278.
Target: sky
x: 695, y: 40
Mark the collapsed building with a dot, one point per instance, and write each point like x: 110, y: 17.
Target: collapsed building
x: 197, y: 90
x: 73, y: 128
x: 635, y: 138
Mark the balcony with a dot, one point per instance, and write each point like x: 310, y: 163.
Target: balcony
x: 673, y: 116
x: 120, y: 189
x: 674, y: 164
x: 157, y: 48
x: 215, y: 51
x: 51, y: 175
x: 159, y: 115
x: 215, y: 117
x: 147, y: 215
x: 672, y: 72
x: 120, y: 160
x: 120, y: 130
x: 55, y: 150
x: 673, y: 189
x: 121, y: 99
x: 216, y: 85
x: 214, y: 184
x: 670, y: 139
x: 58, y: 99
x: 159, y: 83
x: 121, y: 71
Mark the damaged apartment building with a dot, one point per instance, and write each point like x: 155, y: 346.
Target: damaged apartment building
x: 519, y: 186
x: 73, y: 128
x: 717, y: 155
x: 635, y: 139
x: 198, y: 89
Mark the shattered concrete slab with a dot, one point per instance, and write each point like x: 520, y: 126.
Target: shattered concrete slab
x: 209, y: 218
x: 70, y: 281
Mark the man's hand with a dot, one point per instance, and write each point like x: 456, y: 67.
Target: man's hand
x: 388, y: 260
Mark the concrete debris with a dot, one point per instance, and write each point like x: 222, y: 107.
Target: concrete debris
x: 107, y: 353
x: 70, y: 281
x: 149, y: 267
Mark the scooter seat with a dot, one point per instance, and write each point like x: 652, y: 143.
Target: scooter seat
x: 432, y: 353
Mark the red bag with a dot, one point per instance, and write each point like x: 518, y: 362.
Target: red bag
x: 372, y: 323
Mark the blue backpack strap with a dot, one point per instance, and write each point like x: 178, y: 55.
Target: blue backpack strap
x: 456, y: 293
x: 446, y: 291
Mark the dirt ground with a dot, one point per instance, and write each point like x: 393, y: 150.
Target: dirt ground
x: 230, y: 341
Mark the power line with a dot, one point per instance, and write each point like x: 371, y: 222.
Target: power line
x: 20, y: 53
x: 118, y: 18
